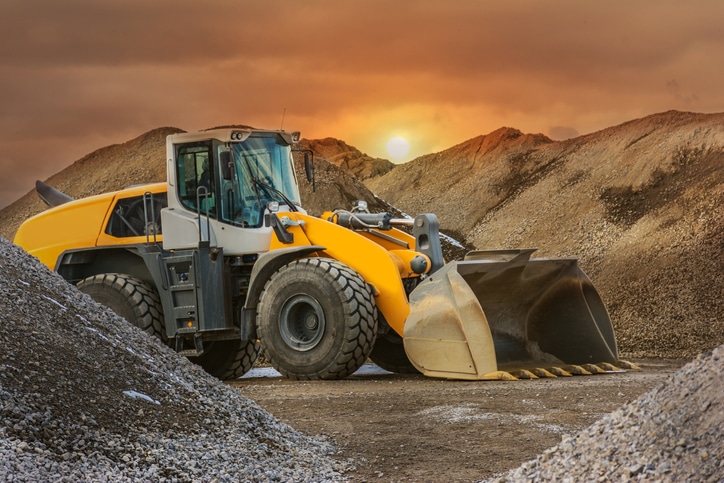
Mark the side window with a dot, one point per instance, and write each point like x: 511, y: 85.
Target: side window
x: 137, y: 217
x: 195, y: 178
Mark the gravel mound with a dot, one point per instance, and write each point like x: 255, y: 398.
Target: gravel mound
x: 670, y: 434
x: 85, y: 396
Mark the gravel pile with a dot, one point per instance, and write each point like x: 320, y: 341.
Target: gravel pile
x: 670, y: 434
x: 85, y: 396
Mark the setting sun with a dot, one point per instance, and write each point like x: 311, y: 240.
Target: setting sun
x: 398, y: 147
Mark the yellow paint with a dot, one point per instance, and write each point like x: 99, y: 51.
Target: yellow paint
x: 71, y: 225
x: 76, y: 224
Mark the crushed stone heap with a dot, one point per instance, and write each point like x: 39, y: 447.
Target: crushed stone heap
x: 85, y: 396
x: 670, y: 434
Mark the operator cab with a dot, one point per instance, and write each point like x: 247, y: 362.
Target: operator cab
x: 223, y: 180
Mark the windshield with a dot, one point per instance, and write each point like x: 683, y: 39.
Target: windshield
x: 262, y: 171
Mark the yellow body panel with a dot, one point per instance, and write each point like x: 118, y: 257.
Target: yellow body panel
x: 73, y: 225
x: 373, y: 262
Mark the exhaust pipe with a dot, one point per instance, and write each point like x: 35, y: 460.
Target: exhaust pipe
x: 51, y: 196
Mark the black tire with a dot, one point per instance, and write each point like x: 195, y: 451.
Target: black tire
x: 316, y: 319
x: 131, y: 298
x: 139, y: 303
x: 228, y: 359
x: 389, y: 354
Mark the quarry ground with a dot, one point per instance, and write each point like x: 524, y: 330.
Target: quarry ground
x: 411, y: 428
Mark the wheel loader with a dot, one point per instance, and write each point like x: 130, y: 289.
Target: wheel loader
x: 221, y: 261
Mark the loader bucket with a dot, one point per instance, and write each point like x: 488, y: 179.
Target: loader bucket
x: 502, y: 311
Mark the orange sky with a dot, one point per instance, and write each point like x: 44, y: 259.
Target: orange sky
x: 78, y: 75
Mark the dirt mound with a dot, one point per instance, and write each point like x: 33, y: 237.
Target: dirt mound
x: 637, y: 204
x: 484, y: 171
x: 349, y: 158
x: 86, y: 396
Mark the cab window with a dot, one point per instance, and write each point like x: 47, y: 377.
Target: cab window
x: 195, y: 177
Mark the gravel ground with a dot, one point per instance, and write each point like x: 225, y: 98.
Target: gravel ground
x: 85, y: 396
x: 670, y: 434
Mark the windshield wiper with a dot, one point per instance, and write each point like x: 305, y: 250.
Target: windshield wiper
x: 271, y: 190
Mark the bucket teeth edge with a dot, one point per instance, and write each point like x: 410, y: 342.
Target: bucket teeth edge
x: 627, y: 365
x: 576, y: 370
x: 523, y: 374
x: 498, y: 376
x: 543, y: 373
x: 560, y: 371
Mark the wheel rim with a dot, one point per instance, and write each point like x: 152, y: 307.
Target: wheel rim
x: 302, y: 322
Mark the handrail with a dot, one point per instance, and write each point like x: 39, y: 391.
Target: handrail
x: 203, y: 192
x: 148, y: 196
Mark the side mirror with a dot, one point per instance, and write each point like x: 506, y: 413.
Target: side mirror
x: 309, y: 168
x: 226, y: 163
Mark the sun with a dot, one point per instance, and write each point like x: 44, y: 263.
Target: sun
x: 398, y: 147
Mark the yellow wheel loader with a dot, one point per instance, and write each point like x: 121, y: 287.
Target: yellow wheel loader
x: 222, y: 260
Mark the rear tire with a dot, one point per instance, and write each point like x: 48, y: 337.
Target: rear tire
x: 228, y: 359
x: 389, y: 354
x: 316, y: 319
x: 131, y: 298
x: 139, y: 303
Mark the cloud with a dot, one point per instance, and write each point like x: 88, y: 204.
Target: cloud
x: 77, y: 73
x: 679, y: 95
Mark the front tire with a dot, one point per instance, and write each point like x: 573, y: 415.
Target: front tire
x: 389, y: 353
x: 316, y: 319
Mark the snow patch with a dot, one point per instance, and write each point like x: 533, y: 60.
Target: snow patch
x: 138, y: 395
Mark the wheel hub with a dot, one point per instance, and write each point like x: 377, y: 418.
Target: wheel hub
x: 302, y: 322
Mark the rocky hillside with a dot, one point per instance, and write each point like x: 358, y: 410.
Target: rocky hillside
x: 639, y: 204
x: 349, y: 158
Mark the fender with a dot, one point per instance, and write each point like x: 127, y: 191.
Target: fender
x: 265, y: 266
x: 373, y: 262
